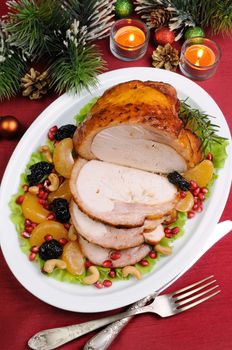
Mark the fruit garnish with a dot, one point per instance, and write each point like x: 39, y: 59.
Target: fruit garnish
x: 32, y: 209
x: 73, y: 257
x: 53, y: 228
x: 60, y: 208
x: 62, y: 157
x: 185, y: 204
x: 65, y: 131
x: 202, y: 173
x: 50, y: 250
x: 38, y: 171
x: 62, y: 192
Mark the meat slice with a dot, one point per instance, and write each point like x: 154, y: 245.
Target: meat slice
x: 105, y: 235
x: 118, y: 195
x: 98, y: 255
x: 136, y: 124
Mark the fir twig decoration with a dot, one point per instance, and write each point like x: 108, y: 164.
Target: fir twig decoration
x: 200, y: 123
x: 62, y: 31
x: 215, y: 14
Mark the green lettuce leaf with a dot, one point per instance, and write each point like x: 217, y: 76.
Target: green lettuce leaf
x: 80, y: 117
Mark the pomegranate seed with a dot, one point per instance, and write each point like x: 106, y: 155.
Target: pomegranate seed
x: 35, y: 249
x: 195, y: 199
x: 33, y: 224
x: 152, y: 254
x: 29, y: 229
x: 201, y: 196
x: 48, y: 238
x: 107, y: 263
x: 51, y: 216
x: 51, y: 136
x: 41, y: 194
x: 195, y: 207
x: 53, y: 129
x: 190, y: 214
x: 46, y: 183
x: 112, y: 273
x: 183, y: 194
x: 27, y: 222
x: 209, y: 156
x: 199, y: 209
x: 107, y: 283
x: 46, y: 206
x: 63, y: 241
x: 40, y: 186
x: 167, y: 230
x: 193, y: 184
x: 204, y: 190
x: 88, y: 263
x: 196, y: 191
x: 42, y: 201
x: 175, y: 230
x: 67, y: 226
x: 144, y: 262
x: 32, y: 256
x: 98, y: 285
x: 168, y: 235
x: 25, y: 234
x: 25, y: 188
x: 20, y: 199
x: 115, y: 255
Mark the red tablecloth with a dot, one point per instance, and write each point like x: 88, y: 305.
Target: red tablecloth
x: 208, y: 327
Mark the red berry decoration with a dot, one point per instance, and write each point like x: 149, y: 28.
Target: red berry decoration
x: 164, y: 36
x: 9, y: 127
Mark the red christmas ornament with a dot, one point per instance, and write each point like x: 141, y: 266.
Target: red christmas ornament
x: 9, y: 127
x: 164, y: 36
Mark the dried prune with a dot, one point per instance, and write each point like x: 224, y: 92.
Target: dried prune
x: 176, y: 179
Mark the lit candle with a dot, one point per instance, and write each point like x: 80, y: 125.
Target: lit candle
x: 129, y: 39
x: 199, y: 58
x: 200, y: 55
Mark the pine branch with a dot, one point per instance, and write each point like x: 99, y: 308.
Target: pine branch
x: 12, y: 67
x: 200, y: 123
x: 76, y: 68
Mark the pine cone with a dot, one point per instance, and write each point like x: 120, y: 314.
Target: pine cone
x: 166, y: 57
x: 159, y: 18
x: 35, y: 84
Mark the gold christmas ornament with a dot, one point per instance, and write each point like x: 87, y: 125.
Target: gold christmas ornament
x: 166, y: 57
x: 159, y: 18
x: 35, y: 84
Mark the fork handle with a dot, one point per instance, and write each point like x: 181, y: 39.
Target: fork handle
x: 103, y: 339
x: 52, y: 338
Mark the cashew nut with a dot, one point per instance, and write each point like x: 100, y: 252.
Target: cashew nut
x: 52, y: 263
x: 55, y: 182
x: 93, y: 277
x: 131, y: 270
x: 72, y: 233
x: 46, y: 153
x: 33, y: 189
x: 163, y: 250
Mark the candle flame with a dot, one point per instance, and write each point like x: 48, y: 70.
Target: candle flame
x: 199, y: 55
x: 131, y: 37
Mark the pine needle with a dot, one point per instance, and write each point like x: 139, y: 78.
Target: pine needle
x: 200, y: 123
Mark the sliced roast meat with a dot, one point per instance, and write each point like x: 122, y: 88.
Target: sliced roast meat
x: 106, y: 236
x: 136, y: 124
x: 98, y: 255
x: 119, y: 195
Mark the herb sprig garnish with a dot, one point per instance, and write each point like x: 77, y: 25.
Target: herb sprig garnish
x: 200, y: 123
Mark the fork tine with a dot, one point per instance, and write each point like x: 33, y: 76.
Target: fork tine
x: 178, y: 303
x: 191, y: 286
x: 184, y: 308
x: 192, y: 291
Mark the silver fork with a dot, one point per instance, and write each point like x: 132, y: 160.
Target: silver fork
x: 164, y: 306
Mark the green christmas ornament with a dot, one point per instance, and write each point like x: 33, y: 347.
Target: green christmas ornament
x: 193, y: 32
x: 123, y: 8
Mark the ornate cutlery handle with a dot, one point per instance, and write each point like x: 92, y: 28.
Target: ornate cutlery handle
x: 52, y: 338
x: 103, y: 339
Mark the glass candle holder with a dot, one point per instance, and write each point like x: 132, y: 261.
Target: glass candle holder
x: 129, y: 39
x: 199, y: 58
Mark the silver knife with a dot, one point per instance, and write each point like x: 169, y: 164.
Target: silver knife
x: 103, y: 339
